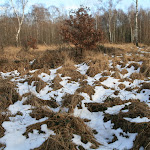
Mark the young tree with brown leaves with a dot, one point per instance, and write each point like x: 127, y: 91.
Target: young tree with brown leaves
x: 80, y: 29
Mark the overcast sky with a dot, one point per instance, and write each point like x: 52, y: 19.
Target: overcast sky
x: 71, y: 4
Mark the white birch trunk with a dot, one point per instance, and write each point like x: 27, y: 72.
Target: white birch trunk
x: 20, y: 20
x: 136, y: 24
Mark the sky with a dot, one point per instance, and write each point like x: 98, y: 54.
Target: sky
x: 73, y: 4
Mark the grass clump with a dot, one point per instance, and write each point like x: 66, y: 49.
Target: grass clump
x: 34, y: 101
x: 56, y: 83
x: 36, y: 81
x: 71, y: 101
x: 49, y: 59
x: 136, y: 109
x: 135, y: 76
x: 64, y: 126
x: 98, y: 62
x: 135, y: 65
x: 8, y: 95
x: 69, y: 70
x: 85, y: 88
x: 145, y: 69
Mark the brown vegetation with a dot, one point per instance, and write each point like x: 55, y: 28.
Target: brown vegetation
x: 71, y: 101
x: 38, y: 103
x: 79, y: 29
x: 98, y: 62
x: 136, y: 109
x: 64, y: 126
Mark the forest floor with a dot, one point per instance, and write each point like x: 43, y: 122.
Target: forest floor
x: 57, y: 100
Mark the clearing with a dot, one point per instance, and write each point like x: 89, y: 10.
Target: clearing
x: 55, y: 100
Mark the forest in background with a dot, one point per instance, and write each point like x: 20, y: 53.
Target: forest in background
x: 42, y: 23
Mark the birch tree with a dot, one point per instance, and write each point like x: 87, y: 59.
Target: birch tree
x: 136, y: 24
x: 109, y: 5
x: 20, y: 16
x: 131, y: 16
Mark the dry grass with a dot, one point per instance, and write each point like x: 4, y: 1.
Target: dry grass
x: 98, y: 62
x: 69, y: 70
x: 103, y: 79
x: 144, y: 86
x: 121, y: 86
x: 135, y: 65
x: 136, y: 108
x: 2, y: 131
x: 38, y: 103
x: 145, y: 69
x: 106, y: 73
x: 109, y: 102
x: 116, y: 75
x: 56, y: 83
x: 49, y: 59
x: 126, y: 47
x: 124, y: 71
x: 42, y: 48
x: 135, y: 76
x: 42, y: 70
x: 40, y: 84
x: 7, y: 94
x: 71, y: 101
x: 64, y: 126
x: 2, y: 146
x: 85, y: 88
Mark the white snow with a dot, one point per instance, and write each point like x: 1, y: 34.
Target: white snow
x: 82, y: 68
x: 137, y: 119
x: 16, y: 127
x: 101, y: 94
x: 116, y: 109
x: 77, y: 140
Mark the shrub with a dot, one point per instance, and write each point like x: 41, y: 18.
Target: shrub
x: 79, y: 29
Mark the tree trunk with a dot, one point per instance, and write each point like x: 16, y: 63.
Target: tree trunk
x: 136, y: 24
x: 131, y: 35
x: 17, y: 35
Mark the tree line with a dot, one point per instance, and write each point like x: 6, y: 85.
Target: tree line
x: 43, y: 24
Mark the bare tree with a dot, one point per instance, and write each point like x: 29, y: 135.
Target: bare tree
x: 131, y: 16
x: 109, y: 6
x: 136, y: 24
x: 20, y: 16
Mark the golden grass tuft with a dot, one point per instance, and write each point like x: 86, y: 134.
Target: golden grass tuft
x: 49, y: 59
x: 70, y: 70
x: 71, y: 101
x: 124, y: 71
x: 103, y: 79
x: 85, y: 88
x: 8, y: 95
x: 116, y: 75
x: 56, y: 83
x: 39, y: 83
x: 145, y: 69
x: 135, y: 65
x: 98, y: 62
x: 64, y: 125
x: 106, y: 73
x: 121, y: 86
x: 138, y: 76
x: 38, y: 103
